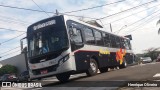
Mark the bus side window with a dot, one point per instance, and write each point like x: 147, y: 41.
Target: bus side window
x: 75, y: 38
x: 113, y: 41
x: 106, y: 38
x: 98, y: 38
x: 89, y: 37
x: 118, y: 42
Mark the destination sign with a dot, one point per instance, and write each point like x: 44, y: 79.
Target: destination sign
x: 48, y: 23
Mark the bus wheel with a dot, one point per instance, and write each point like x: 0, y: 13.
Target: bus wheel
x: 93, y: 69
x: 63, y: 77
x: 104, y: 69
x: 124, y: 64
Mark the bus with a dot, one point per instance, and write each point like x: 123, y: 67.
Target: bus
x: 61, y: 46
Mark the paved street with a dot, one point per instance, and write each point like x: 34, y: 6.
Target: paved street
x: 142, y: 72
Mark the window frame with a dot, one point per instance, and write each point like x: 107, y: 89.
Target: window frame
x: 100, y: 38
x: 86, y: 36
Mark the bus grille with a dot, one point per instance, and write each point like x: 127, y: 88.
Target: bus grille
x: 49, y: 69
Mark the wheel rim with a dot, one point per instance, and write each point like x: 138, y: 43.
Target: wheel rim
x: 93, y: 66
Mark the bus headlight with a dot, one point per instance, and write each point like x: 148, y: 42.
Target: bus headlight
x: 62, y: 60
x: 66, y: 58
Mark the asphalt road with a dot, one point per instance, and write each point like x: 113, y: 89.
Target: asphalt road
x: 113, y: 79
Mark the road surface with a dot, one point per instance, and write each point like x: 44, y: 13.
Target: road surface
x: 111, y: 80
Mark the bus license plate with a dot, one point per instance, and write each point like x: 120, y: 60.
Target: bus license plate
x: 44, y: 71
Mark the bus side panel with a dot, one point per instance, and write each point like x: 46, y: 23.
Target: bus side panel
x: 112, y: 60
x: 103, y: 60
x: 82, y: 61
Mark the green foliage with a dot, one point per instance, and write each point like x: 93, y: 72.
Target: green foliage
x: 152, y: 52
x: 8, y: 69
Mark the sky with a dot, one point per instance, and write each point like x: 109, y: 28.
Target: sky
x: 144, y: 32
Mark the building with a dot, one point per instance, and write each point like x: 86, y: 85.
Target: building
x: 19, y: 61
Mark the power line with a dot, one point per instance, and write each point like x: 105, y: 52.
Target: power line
x: 53, y: 12
x: 23, y: 8
x: 40, y: 7
x: 12, y: 39
x: 34, y: 10
x: 10, y: 53
x: 77, y: 10
x: 10, y: 50
x: 13, y: 19
x: 48, y: 11
x: 125, y: 10
x: 13, y: 22
x: 140, y: 19
x: 142, y: 24
x: 94, y: 7
x: 11, y: 29
x: 93, y: 19
x: 77, y: 16
x: 132, y: 14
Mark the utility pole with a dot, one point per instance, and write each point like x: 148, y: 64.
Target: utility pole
x: 110, y: 27
x: 57, y: 13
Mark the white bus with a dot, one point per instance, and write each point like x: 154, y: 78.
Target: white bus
x: 62, y: 46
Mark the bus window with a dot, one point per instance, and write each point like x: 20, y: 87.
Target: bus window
x: 76, y: 39
x: 113, y: 41
x: 98, y: 38
x: 118, y: 42
x: 106, y: 38
x: 89, y: 37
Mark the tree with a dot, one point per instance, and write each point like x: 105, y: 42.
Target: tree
x: 8, y: 69
x: 152, y: 52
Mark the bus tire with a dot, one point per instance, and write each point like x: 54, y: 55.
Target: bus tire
x: 63, y: 77
x: 124, y: 64
x: 103, y: 70
x: 93, y: 69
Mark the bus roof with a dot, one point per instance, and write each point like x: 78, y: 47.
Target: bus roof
x: 78, y: 21
x: 87, y: 24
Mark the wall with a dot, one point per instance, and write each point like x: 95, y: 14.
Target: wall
x: 18, y: 61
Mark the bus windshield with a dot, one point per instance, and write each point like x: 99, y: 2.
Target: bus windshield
x: 48, y: 39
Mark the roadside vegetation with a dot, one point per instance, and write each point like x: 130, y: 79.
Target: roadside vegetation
x: 8, y: 69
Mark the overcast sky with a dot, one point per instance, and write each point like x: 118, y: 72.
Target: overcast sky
x: 144, y: 33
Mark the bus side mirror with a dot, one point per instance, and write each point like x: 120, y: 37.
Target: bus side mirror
x: 21, y: 42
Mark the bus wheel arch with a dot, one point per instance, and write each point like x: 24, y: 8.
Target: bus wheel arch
x: 96, y: 59
x: 93, y: 68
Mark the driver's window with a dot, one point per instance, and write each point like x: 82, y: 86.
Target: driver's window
x: 75, y: 38
x: 76, y: 35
